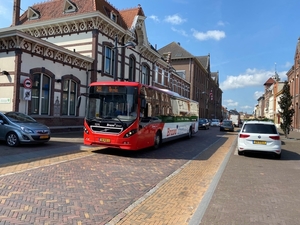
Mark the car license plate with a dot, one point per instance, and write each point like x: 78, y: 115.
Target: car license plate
x: 44, y: 136
x: 105, y: 140
x: 226, y: 129
x: 260, y: 142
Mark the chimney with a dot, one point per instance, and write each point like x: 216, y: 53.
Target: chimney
x: 16, y: 12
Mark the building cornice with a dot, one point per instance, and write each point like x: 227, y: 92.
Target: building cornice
x: 14, y: 39
x: 75, y: 24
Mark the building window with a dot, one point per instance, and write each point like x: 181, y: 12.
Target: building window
x: 131, y: 71
x: 181, y: 73
x: 113, y: 17
x: 145, y: 75
x: 156, y: 73
x: 163, y: 77
x: 40, y: 94
x: 109, y: 60
x: 69, y: 97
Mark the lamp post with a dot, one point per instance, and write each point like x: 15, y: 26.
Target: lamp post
x: 129, y: 44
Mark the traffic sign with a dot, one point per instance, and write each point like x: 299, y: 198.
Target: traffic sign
x: 27, y: 83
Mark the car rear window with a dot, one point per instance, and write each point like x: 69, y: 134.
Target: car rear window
x: 259, y: 128
x: 227, y: 123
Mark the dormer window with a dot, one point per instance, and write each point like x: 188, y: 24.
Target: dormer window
x: 33, y: 14
x: 70, y: 7
x: 113, y: 16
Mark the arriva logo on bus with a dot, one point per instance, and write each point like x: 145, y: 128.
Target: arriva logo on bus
x: 171, y: 132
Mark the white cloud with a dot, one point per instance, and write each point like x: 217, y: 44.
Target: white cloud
x: 252, y: 77
x: 211, y: 34
x: 221, y: 23
x: 230, y: 103
x: 155, y: 18
x: 182, y: 32
x: 288, y: 65
x: 258, y: 94
x: 174, y: 19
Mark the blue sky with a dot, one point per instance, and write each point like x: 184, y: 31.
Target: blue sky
x: 247, y: 40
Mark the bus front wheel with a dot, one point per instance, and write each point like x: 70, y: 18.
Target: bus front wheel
x: 190, y: 134
x: 157, y: 140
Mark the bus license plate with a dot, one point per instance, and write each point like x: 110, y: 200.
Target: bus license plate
x: 105, y: 140
x: 44, y: 136
x: 260, y: 142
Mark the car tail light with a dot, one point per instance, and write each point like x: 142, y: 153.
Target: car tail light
x: 244, y: 135
x: 277, y: 137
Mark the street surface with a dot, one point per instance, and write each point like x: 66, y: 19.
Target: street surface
x: 183, y: 182
x: 96, y: 187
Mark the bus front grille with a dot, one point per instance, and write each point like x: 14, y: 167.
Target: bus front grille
x: 102, y: 129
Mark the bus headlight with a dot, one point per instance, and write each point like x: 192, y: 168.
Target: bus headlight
x: 130, y: 133
x: 85, y: 130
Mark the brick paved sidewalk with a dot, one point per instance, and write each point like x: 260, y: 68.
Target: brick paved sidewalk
x: 292, y: 135
x: 257, y: 189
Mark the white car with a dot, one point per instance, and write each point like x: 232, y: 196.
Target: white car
x: 259, y: 136
x: 215, y: 123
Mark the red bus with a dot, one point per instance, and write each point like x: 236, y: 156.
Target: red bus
x: 133, y: 116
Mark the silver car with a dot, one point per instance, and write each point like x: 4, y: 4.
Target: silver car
x: 18, y: 128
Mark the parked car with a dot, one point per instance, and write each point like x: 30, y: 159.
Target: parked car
x: 18, y: 128
x: 215, y: 123
x: 227, y: 125
x: 203, y: 124
x: 259, y: 136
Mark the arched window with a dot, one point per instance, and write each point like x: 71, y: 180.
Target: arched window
x: 40, y: 94
x: 131, y: 72
x: 69, y: 97
x: 145, y: 79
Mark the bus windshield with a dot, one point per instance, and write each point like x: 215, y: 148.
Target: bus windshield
x: 108, y: 102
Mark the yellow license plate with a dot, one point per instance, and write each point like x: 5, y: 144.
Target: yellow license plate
x: 44, y: 136
x: 226, y: 129
x: 260, y: 142
x: 105, y: 140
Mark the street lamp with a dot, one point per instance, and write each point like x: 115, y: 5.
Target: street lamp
x: 129, y: 44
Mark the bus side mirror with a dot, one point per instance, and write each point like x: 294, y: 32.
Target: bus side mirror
x: 143, y: 103
x: 78, y: 102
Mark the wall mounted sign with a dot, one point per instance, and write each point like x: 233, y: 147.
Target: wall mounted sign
x: 4, y: 100
x: 27, y: 83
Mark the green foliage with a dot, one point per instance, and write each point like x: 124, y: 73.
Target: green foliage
x: 286, y: 112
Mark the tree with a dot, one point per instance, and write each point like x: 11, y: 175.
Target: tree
x: 286, y: 112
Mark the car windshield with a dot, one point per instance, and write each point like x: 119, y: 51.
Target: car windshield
x: 17, y: 117
x: 214, y: 120
x: 202, y: 121
x: 260, y: 128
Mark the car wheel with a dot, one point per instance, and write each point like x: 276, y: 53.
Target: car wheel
x: 12, y: 139
x: 157, y: 140
x: 277, y: 156
x: 190, y: 135
x: 240, y: 152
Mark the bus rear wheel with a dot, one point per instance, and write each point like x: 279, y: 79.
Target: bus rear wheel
x: 157, y: 140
